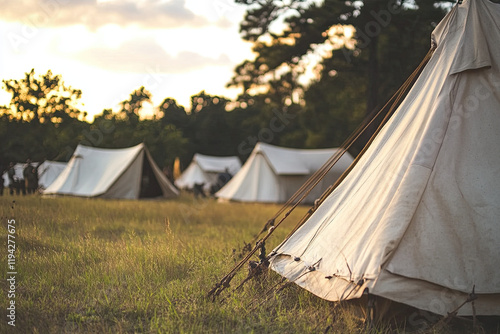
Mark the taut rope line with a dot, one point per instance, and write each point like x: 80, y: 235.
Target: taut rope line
x: 307, y: 187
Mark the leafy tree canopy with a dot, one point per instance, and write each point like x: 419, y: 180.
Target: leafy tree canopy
x: 339, y: 60
x: 42, y: 98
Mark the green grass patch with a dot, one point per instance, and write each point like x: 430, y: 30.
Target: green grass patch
x: 106, y: 266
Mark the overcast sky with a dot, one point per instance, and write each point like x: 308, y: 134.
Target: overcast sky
x: 108, y: 48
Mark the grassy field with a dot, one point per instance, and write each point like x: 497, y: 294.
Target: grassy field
x: 105, y: 266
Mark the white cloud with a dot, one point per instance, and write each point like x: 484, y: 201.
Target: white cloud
x: 94, y: 14
x: 109, y: 48
x: 140, y: 55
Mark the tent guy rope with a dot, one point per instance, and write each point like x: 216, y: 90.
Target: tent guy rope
x: 307, y: 187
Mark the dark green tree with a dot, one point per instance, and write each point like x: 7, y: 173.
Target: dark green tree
x: 126, y: 128
x: 42, y: 119
x: 312, y: 50
x: 172, y: 113
x: 42, y: 99
x: 130, y: 109
x: 210, y: 133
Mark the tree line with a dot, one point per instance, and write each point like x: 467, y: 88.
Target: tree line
x: 309, y: 86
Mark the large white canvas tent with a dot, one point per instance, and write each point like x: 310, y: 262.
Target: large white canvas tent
x: 273, y: 174
x: 127, y: 173
x: 204, y: 169
x: 417, y: 220
x: 48, y: 171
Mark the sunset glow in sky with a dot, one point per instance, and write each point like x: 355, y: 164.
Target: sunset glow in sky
x: 108, y: 48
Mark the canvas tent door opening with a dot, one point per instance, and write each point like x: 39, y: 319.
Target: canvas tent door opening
x: 150, y: 188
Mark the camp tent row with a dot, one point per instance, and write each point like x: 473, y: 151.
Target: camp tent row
x: 273, y: 174
x: 127, y: 173
x: 417, y: 220
x: 204, y: 169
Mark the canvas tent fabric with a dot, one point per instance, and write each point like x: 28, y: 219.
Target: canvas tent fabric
x: 48, y: 171
x: 204, y: 169
x: 416, y: 221
x: 127, y: 173
x: 273, y: 174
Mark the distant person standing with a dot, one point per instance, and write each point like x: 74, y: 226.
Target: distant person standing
x: 29, y: 177
x: 1, y: 183
x: 222, y: 179
x: 11, y: 173
x: 36, y: 180
x: 198, y: 190
x: 167, y: 171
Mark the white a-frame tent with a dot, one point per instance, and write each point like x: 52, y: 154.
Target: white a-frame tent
x: 128, y: 173
x: 273, y: 174
x: 48, y: 171
x: 205, y: 169
x: 417, y: 220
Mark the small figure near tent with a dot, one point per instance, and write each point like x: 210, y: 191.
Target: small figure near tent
x: 167, y: 171
x: 35, y: 179
x: 1, y: 183
x: 222, y: 179
x: 30, y: 178
x: 198, y: 190
x: 15, y: 184
x: 207, y: 169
